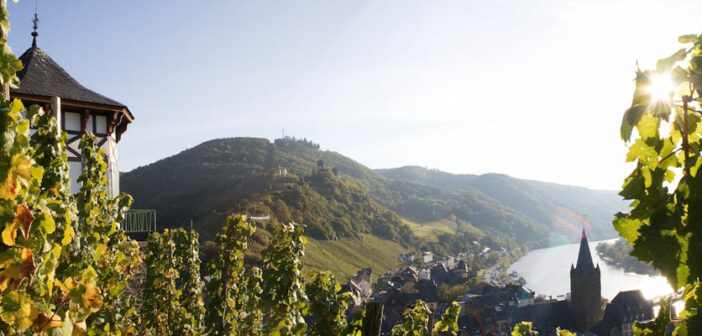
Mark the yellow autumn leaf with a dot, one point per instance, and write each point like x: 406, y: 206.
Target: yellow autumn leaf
x: 46, y: 222
x: 18, y: 310
x: 8, y: 275
x: 129, y: 331
x: 23, y: 220
x: 92, y: 298
x: 69, y: 284
x: 100, y: 250
x: 19, y: 174
x: 79, y: 328
x: 27, y: 267
x: 22, y: 166
x: 68, y: 235
x: 8, y: 189
x: 60, y: 285
x: 9, y: 234
x: 44, y: 322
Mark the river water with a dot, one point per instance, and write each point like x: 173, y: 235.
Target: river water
x: 547, y: 271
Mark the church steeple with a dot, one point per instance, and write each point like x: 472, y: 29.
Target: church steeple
x: 585, y: 288
x: 584, y: 256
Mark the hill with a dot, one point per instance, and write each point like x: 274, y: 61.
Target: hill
x: 338, y: 199
x: 565, y: 209
x: 206, y: 183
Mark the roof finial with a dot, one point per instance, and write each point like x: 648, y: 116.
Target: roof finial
x: 36, y: 24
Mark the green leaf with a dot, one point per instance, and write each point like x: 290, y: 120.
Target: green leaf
x: 648, y: 126
x: 631, y: 118
x: 646, y: 173
x: 690, y: 38
x: 627, y: 228
x: 665, y: 64
x: 17, y: 310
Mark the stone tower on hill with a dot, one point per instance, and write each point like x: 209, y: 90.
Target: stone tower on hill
x: 586, y: 301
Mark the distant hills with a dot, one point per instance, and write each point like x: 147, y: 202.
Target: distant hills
x: 338, y: 198
x: 563, y: 209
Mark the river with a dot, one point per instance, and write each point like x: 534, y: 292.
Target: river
x: 547, y: 271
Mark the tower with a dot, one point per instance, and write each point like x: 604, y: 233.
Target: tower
x: 585, y: 289
x: 77, y: 109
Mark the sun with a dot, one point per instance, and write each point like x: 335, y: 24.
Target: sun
x: 661, y: 87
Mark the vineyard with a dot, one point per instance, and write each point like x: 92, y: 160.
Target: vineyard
x: 67, y: 267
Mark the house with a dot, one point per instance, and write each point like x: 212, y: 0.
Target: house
x: 406, y: 258
x: 77, y: 109
x: 424, y: 274
x: 625, y: 309
x: 361, y: 291
x: 409, y: 273
x: 427, y: 257
x: 460, y: 273
x: 546, y: 316
x: 364, y: 274
x: 439, y: 273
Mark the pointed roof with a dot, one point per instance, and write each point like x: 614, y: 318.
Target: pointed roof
x: 584, y: 256
x: 42, y: 76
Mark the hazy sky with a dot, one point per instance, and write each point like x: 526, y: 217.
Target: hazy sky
x: 533, y: 89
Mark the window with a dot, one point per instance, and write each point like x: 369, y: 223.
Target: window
x: 72, y: 121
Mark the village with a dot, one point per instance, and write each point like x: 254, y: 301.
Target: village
x: 494, y: 301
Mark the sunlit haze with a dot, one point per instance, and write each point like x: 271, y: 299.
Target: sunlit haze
x: 661, y: 86
x: 533, y: 89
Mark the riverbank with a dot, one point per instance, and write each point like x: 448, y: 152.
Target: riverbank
x: 547, y: 271
x: 617, y: 254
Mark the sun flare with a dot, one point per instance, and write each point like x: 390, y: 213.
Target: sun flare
x: 661, y: 87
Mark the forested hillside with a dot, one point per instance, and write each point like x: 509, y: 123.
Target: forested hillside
x: 562, y: 208
x: 336, y: 197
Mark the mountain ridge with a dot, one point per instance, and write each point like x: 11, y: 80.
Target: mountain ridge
x: 337, y: 197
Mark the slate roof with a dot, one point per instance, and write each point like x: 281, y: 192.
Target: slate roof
x: 42, y: 76
x: 626, y: 307
x: 584, y: 257
x: 546, y: 316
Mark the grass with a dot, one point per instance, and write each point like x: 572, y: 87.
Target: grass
x: 344, y: 257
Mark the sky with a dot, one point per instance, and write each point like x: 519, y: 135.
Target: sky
x: 533, y: 89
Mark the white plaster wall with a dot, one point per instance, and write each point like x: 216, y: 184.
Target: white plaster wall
x: 74, y: 170
x: 112, y: 166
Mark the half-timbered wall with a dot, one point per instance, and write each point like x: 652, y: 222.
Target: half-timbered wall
x: 75, y: 123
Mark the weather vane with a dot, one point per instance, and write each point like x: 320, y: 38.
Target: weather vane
x: 36, y: 23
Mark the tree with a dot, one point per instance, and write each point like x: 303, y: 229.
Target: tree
x: 664, y: 225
